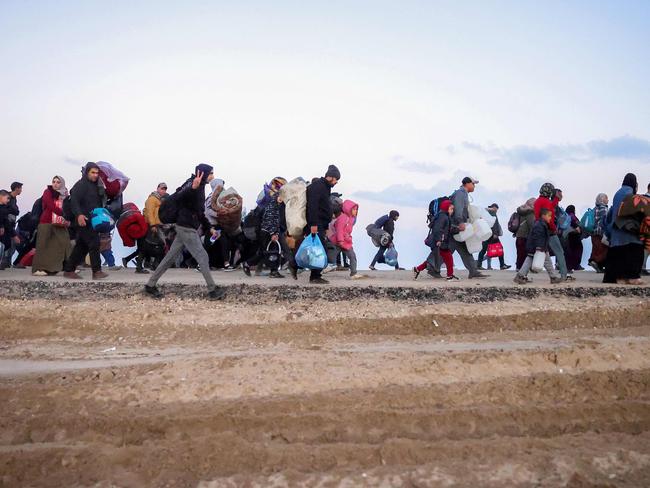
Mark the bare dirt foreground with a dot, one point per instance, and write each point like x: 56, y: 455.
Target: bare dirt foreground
x: 339, y: 386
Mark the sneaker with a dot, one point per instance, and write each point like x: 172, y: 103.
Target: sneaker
x: 141, y: 271
x: 556, y: 280
x: 99, y: 275
x: 39, y: 273
x: 452, y: 278
x: 520, y: 280
x: 569, y: 278
x: 247, y: 269
x: 372, y: 268
x: 341, y: 268
x: 579, y: 268
x: 71, y: 275
x: 329, y: 268
x: 318, y: 281
x: 276, y: 274
x: 435, y: 274
x: 399, y: 269
x: 416, y: 273
x: 216, y: 294
x: 153, y: 291
x: 125, y: 263
x: 358, y: 277
x: 505, y: 266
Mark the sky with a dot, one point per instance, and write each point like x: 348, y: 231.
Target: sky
x: 405, y: 97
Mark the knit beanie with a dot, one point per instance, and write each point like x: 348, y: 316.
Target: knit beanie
x: 333, y: 172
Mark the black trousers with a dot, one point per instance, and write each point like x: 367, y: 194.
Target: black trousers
x: 87, y: 242
x: 318, y: 273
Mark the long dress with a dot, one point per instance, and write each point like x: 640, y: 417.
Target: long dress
x: 52, y: 242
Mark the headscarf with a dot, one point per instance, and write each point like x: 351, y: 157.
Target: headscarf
x: 89, y: 165
x: 630, y: 180
x: 63, y: 191
x: 216, y: 186
x: 547, y: 190
x: 601, y: 199
x: 530, y: 203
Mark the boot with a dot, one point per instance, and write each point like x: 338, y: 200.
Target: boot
x: 99, y: 275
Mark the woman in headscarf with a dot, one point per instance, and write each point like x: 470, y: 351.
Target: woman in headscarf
x: 625, y: 255
x: 574, y: 241
x: 598, y: 249
x: 52, y: 239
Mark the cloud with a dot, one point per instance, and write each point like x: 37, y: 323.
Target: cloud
x: 417, y: 166
x: 623, y: 147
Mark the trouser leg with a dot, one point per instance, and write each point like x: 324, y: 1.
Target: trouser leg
x: 558, y: 250
x: 448, y: 257
x: 525, y: 267
x: 193, y: 244
x: 352, y: 256
x: 168, y: 261
x: 548, y: 264
x: 467, y: 258
x: 318, y: 273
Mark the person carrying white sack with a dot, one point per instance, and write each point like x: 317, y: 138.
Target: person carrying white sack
x: 537, y: 247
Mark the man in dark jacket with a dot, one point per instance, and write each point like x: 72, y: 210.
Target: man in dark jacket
x: 7, y: 230
x: 85, y: 196
x: 319, y: 214
x: 387, y: 224
x: 539, y: 241
x: 190, y: 203
x: 497, y: 233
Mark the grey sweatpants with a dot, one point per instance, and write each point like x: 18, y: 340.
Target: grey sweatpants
x: 528, y: 263
x: 556, y: 246
x: 352, y: 256
x: 188, y: 238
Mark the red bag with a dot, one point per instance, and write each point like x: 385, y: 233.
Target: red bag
x: 28, y: 258
x: 58, y: 220
x: 495, y: 250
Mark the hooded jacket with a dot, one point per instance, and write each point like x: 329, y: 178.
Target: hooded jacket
x: 191, y: 206
x: 342, y: 236
x: 538, y: 238
x: 319, y: 207
x: 442, y: 228
x: 86, y: 195
x: 527, y: 218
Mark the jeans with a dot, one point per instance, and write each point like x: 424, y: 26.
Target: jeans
x: 349, y: 253
x: 86, y: 242
x: 108, y: 257
x: 528, y: 263
x: 189, y: 239
x: 556, y: 246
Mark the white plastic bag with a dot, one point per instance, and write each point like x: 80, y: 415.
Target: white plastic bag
x: 474, y: 244
x: 538, y: 261
x: 474, y: 213
x: 294, y: 196
x: 482, y: 230
x: 490, y: 219
x: 463, y: 235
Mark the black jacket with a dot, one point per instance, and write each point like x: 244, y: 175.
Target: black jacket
x: 191, y: 206
x: 13, y: 209
x: 442, y: 230
x: 319, y: 207
x: 86, y: 196
x: 538, y: 238
x: 7, y: 225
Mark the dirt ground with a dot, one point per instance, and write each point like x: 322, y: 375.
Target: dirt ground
x: 408, y: 386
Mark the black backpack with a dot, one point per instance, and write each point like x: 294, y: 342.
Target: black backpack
x: 168, y: 212
x: 252, y: 223
x: 37, y: 210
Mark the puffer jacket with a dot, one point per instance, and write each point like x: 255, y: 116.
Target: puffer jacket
x: 151, y: 209
x: 271, y: 218
x: 538, y: 238
x: 343, y: 226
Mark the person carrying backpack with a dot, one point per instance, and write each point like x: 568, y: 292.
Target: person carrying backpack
x: 549, y: 198
x: 186, y: 208
x: 526, y: 215
x: 86, y: 195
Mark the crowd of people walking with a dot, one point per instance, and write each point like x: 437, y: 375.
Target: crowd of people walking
x: 304, y: 225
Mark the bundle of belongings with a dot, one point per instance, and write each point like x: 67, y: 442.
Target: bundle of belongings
x: 227, y: 206
x: 131, y: 225
x: 634, y: 217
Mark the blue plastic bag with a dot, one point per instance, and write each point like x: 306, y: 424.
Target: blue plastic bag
x: 101, y: 220
x: 311, y: 254
x: 390, y: 256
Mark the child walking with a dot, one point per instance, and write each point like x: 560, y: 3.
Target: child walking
x: 538, y: 240
x: 341, y: 236
x: 442, y: 232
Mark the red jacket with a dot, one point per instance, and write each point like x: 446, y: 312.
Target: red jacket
x: 48, y: 203
x: 544, y: 202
